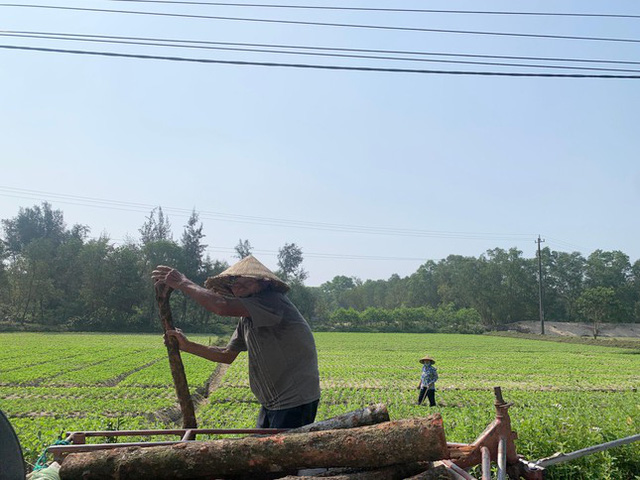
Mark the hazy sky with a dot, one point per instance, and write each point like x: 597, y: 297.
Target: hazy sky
x: 370, y: 173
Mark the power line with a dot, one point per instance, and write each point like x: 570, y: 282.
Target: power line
x: 333, y: 256
x: 326, y: 24
x: 219, y: 216
x: 332, y: 49
x: 390, y: 10
x: 112, y: 40
x: 315, y: 66
x: 564, y: 244
x: 329, y: 256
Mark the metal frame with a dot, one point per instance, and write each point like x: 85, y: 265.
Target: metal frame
x: 496, y: 444
x: 77, y: 440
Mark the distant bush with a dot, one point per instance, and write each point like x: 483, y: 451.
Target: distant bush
x: 445, y: 319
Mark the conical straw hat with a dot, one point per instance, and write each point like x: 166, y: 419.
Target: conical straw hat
x: 248, y: 267
x: 427, y: 358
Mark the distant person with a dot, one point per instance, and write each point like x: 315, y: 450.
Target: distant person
x: 428, y: 380
x: 283, y: 362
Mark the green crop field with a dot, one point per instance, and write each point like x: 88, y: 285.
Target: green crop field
x: 566, y: 396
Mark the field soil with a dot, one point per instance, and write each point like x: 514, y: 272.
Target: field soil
x: 571, y: 329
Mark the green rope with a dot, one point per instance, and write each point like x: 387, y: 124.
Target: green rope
x: 42, y: 459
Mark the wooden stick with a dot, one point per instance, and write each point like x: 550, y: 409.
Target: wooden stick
x: 163, y: 292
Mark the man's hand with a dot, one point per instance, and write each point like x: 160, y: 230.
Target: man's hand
x: 168, y: 276
x: 179, y: 336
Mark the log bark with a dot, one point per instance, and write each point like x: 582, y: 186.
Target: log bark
x: 392, y: 472
x: 436, y: 472
x: 163, y: 293
x: 370, y: 415
x: 373, y: 446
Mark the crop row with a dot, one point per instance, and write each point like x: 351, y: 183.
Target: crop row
x: 67, y: 406
x: 86, y: 393
x: 559, y: 391
x: 197, y: 370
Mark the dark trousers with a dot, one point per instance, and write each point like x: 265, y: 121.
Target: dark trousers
x: 431, y: 395
x: 289, y: 417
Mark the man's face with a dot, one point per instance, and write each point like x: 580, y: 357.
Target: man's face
x: 243, y: 287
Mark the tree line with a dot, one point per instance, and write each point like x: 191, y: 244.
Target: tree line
x: 502, y: 286
x: 55, y: 277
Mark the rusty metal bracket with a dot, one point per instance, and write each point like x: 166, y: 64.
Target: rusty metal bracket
x: 497, y: 443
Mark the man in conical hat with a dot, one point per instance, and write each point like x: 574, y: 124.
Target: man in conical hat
x: 283, y: 363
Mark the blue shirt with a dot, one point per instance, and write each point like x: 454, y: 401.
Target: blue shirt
x: 429, y: 377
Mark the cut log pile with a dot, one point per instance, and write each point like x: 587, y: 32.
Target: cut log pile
x: 361, y: 445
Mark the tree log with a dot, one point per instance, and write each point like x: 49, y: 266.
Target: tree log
x: 392, y: 472
x: 372, y: 446
x: 163, y: 293
x: 370, y: 415
x: 436, y: 472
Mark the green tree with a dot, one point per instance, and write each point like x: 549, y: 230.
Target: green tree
x: 96, y: 278
x: 192, y: 261
x: 35, y: 223
x: 41, y: 252
x: 563, y: 282
x: 598, y: 304
x: 290, y: 264
x: 126, y: 287
x: 5, y: 291
x: 422, y: 287
x: 395, y: 292
x: 635, y: 288
x: 156, y: 227
x: 613, y: 269
x: 305, y: 300
x: 512, y: 283
x: 193, y: 248
x: 243, y: 249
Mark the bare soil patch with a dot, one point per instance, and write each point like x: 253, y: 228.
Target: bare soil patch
x: 570, y: 329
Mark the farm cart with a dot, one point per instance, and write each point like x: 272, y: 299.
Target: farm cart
x: 495, y: 445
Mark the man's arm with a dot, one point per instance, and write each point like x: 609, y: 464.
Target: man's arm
x: 215, y: 354
x: 210, y: 300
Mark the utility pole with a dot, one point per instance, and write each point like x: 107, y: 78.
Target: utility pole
x: 539, y: 241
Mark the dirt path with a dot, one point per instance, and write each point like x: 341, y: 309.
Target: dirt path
x: 200, y: 397
x: 571, y: 329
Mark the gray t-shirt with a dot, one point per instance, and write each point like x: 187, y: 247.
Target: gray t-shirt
x: 283, y: 363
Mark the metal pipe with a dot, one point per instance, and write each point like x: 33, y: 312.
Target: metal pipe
x: 502, y: 458
x: 176, y: 431
x: 457, y: 472
x: 486, y: 463
x: 562, y: 458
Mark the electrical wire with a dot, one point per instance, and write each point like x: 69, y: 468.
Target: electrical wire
x: 331, y: 49
x: 389, y: 10
x: 279, y: 222
x: 326, y: 24
x: 190, y: 45
x: 316, y: 66
x: 274, y: 253
x: 217, y: 216
x: 330, y: 256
